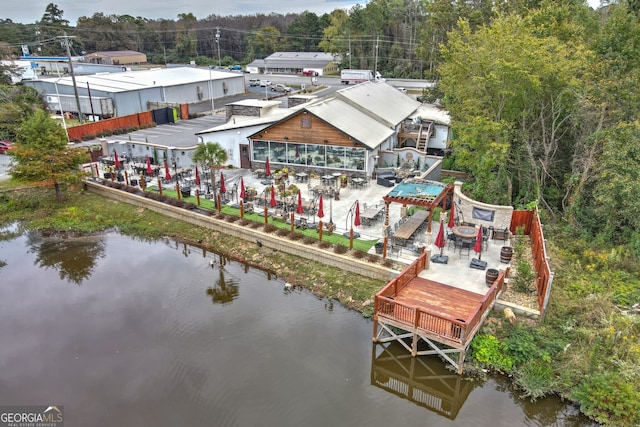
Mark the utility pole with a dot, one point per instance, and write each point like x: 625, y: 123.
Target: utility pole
x: 375, y: 72
x: 218, y: 43
x: 73, y: 76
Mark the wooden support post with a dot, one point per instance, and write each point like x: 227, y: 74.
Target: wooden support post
x: 178, y: 190
x: 219, y: 203
x: 292, y: 221
x: 266, y: 213
x: 241, y: 209
x: 461, y: 361
x: 126, y: 178
x: 198, y: 196
x: 113, y: 175
x: 320, y: 230
x: 351, y: 239
x: 143, y: 183
x: 160, y: 186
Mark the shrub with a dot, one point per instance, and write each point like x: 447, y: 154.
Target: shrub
x: 308, y: 240
x: 339, y: 249
x: 295, y: 236
x: 524, y: 276
x: 536, y: 378
x: 324, y: 245
x: 373, y: 258
x: 269, y: 228
x: 245, y: 222
x: 358, y: 254
x: 488, y: 350
x: 609, y: 398
x: 387, y: 263
x: 282, y: 232
x: 189, y: 205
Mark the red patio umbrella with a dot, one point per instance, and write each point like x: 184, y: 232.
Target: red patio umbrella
x: 320, y: 210
x: 167, y: 174
x: 440, y: 242
x: 478, y: 247
x: 242, y: 193
x: 267, y: 168
x: 115, y: 156
x: 451, y: 223
x: 356, y: 218
x: 223, y: 189
x: 197, y: 177
x: 272, y: 202
x: 299, y: 209
x: 149, y: 170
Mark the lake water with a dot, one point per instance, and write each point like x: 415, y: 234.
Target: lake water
x: 130, y: 333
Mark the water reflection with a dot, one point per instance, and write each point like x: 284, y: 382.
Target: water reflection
x: 226, y: 289
x: 75, y: 259
x: 424, y: 380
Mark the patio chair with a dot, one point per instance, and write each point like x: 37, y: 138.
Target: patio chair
x: 465, y: 246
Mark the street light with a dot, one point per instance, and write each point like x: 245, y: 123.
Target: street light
x: 218, y: 43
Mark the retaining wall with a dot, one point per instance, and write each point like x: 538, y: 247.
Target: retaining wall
x: 327, y: 257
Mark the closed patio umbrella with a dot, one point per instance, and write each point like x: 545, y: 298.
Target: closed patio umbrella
x: 149, y: 170
x: 115, y: 157
x: 356, y: 217
x: 242, y: 193
x: 167, y: 174
x: 223, y: 188
x: 273, y: 202
x: 299, y: 208
x: 267, y: 168
x: 440, y: 242
x: 478, y: 247
x: 320, y: 209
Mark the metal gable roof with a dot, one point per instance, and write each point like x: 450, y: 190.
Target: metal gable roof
x: 136, y: 80
x: 381, y: 100
x: 352, y: 122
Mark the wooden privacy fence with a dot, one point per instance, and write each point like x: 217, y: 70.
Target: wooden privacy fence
x: 544, y: 276
x: 78, y: 133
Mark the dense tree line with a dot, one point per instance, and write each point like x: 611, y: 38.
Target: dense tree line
x: 540, y: 91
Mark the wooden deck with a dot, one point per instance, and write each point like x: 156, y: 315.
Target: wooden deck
x: 431, y: 312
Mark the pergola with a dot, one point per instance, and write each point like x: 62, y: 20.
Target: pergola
x: 415, y: 192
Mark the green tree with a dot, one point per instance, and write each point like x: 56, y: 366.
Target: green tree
x: 16, y: 103
x: 512, y: 93
x: 211, y: 155
x: 43, y: 155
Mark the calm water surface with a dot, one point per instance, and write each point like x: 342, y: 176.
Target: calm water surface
x: 130, y: 333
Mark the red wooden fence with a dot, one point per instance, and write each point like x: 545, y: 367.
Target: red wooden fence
x: 544, y: 276
x: 78, y: 133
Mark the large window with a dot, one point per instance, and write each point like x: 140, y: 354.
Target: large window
x: 329, y: 156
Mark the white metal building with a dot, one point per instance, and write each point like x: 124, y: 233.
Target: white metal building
x: 133, y: 91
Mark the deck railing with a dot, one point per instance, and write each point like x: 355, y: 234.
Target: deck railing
x: 451, y: 331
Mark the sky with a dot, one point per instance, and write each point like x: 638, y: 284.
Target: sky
x: 154, y: 9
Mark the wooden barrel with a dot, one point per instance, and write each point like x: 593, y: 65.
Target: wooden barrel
x: 505, y: 254
x: 492, y: 275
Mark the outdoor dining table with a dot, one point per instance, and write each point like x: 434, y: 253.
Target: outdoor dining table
x: 465, y: 232
x: 302, y: 176
x: 326, y: 190
x: 369, y: 215
x: 357, y: 182
x: 328, y: 178
x: 406, y: 230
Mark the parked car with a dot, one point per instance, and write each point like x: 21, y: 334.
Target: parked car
x: 6, y: 147
x: 265, y: 83
x: 278, y: 87
x: 310, y: 73
x: 254, y: 82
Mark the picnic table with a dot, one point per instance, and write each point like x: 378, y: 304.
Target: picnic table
x: 406, y: 230
x: 369, y: 215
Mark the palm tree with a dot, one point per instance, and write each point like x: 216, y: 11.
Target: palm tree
x: 211, y: 155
